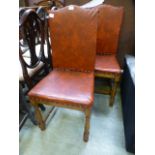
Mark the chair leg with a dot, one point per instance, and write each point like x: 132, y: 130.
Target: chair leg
x: 87, y: 124
x: 42, y: 107
x: 113, y: 92
x: 39, y: 118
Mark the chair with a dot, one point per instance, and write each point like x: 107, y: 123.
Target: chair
x: 46, y: 3
x: 25, y: 109
x: 31, y: 30
x: 42, y: 13
x: 107, y: 66
x: 34, y: 67
x: 51, y: 3
x: 71, y: 83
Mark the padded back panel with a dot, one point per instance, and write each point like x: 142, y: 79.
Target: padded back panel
x: 109, y: 24
x: 73, y: 34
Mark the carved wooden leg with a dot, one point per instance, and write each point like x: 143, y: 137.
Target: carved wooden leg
x: 39, y: 118
x: 87, y: 124
x: 113, y: 92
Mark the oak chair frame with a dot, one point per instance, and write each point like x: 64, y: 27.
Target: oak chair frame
x: 41, y: 123
x: 112, y: 92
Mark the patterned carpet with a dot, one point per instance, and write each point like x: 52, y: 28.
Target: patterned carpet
x: 63, y: 135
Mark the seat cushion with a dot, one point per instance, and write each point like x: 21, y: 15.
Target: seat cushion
x: 66, y: 87
x: 107, y: 63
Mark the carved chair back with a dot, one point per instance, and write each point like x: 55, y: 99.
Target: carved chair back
x: 43, y: 14
x: 31, y: 30
x: 46, y: 3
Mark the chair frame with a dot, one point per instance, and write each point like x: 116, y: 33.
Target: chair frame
x: 116, y: 78
x: 34, y: 59
x: 41, y: 122
x: 24, y: 33
x: 48, y: 4
x: 41, y: 11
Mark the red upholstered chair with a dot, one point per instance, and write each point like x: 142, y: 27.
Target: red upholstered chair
x: 109, y: 25
x: 71, y: 83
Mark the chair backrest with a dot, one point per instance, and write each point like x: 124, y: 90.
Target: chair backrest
x: 73, y: 33
x: 109, y: 25
x: 21, y: 11
x: 46, y: 3
x: 31, y: 29
x: 43, y: 14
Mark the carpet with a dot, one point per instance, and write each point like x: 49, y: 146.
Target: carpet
x: 64, y: 132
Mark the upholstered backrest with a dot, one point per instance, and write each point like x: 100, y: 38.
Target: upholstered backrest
x: 73, y: 33
x: 109, y: 25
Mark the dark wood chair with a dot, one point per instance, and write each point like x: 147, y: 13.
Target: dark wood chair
x: 42, y: 13
x: 48, y: 4
x: 25, y: 109
x: 107, y: 66
x: 31, y: 30
x: 71, y: 83
x: 34, y: 67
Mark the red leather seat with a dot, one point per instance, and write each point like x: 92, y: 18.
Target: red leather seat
x: 107, y: 63
x: 68, y: 87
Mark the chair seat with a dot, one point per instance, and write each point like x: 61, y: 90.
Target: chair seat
x: 107, y: 63
x: 67, y: 87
